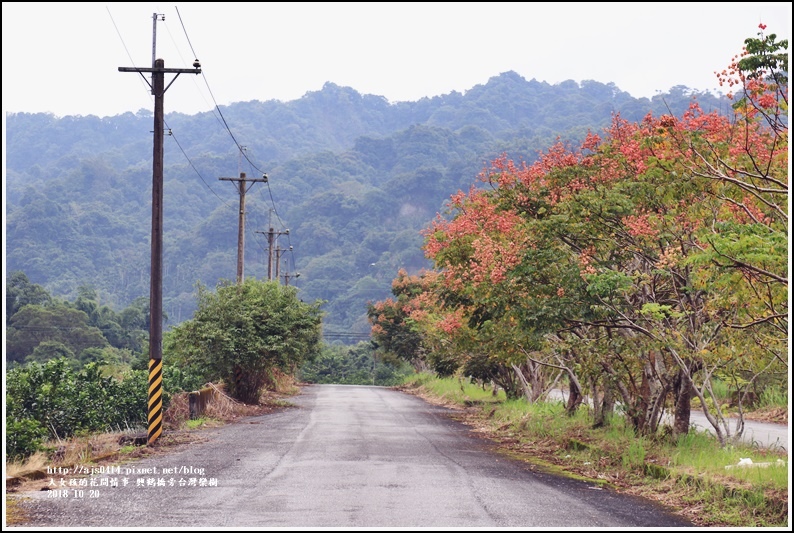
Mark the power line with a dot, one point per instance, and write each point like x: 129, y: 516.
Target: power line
x: 185, y: 30
x: 242, y: 151
x: 222, y: 121
x: 195, y: 169
x: 170, y: 130
x: 203, y: 97
x: 126, y: 49
x: 226, y: 125
x: 50, y: 328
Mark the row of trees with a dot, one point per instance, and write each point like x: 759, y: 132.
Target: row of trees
x: 357, y: 364
x: 639, y: 266
x: 40, y: 327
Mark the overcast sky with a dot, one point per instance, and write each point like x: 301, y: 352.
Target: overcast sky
x: 63, y: 58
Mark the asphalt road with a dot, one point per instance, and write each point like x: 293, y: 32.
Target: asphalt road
x: 347, y: 457
x: 761, y: 434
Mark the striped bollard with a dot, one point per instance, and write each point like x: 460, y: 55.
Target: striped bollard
x: 155, y: 399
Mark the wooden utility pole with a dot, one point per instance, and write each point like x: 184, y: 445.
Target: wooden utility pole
x: 270, y: 239
x: 278, y: 257
x: 241, y: 181
x: 289, y: 276
x: 272, y: 235
x: 155, y: 404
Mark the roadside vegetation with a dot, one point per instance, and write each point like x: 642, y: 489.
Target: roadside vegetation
x: 28, y: 472
x: 358, y: 364
x: 82, y: 405
x: 70, y: 394
x: 710, y: 484
x: 645, y: 272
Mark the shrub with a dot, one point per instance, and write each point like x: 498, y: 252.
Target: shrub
x: 53, y: 399
x: 23, y: 437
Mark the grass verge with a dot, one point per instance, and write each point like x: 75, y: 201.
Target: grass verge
x: 688, y: 476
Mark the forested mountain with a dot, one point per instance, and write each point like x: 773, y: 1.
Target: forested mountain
x: 353, y: 177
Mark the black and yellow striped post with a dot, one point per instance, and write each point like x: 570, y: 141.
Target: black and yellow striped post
x: 155, y: 399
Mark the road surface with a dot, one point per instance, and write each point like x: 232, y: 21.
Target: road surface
x: 348, y: 457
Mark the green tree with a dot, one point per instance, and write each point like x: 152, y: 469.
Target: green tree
x: 47, y: 350
x: 358, y: 364
x: 35, y: 324
x: 240, y: 333
x: 21, y: 292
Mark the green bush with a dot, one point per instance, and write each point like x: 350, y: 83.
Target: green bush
x: 23, y: 437
x: 773, y: 396
x: 177, y: 379
x: 241, y: 333
x: 53, y: 399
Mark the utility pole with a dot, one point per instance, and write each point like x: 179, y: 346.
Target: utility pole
x: 158, y: 71
x: 272, y: 235
x: 289, y: 276
x: 278, y: 257
x: 241, y: 181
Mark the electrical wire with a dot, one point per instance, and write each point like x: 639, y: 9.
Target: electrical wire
x: 221, y: 119
x: 226, y: 125
x: 194, y: 167
x: 164, y: 122
x: 242, y: 151
x: 143, y: 80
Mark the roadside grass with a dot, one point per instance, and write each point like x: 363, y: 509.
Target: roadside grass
x: 693, y: 475
x: 197, y: 422
x: 697, y: 453
x: 721, y: 390
x: 455, y: 390
x: 84, y: 450
x: 35, y: 463
x: 87, y: 451
x: 773, y: 397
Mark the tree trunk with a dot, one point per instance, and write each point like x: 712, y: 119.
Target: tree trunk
x: 683, y: 404
x: 574, y: 397
x: 524, y: 385
x: 603, y: 406
x: 598, y: 419
x: 608, y: 403
x: 643, y: 402
x: 508, y: 381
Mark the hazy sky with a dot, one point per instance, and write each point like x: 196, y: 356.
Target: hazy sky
x: 63, y: 58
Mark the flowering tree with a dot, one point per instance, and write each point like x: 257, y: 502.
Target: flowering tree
x: 641, y: 265
x: 394, y: 334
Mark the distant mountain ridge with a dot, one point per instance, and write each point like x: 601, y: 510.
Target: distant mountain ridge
x: 352, y: 176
